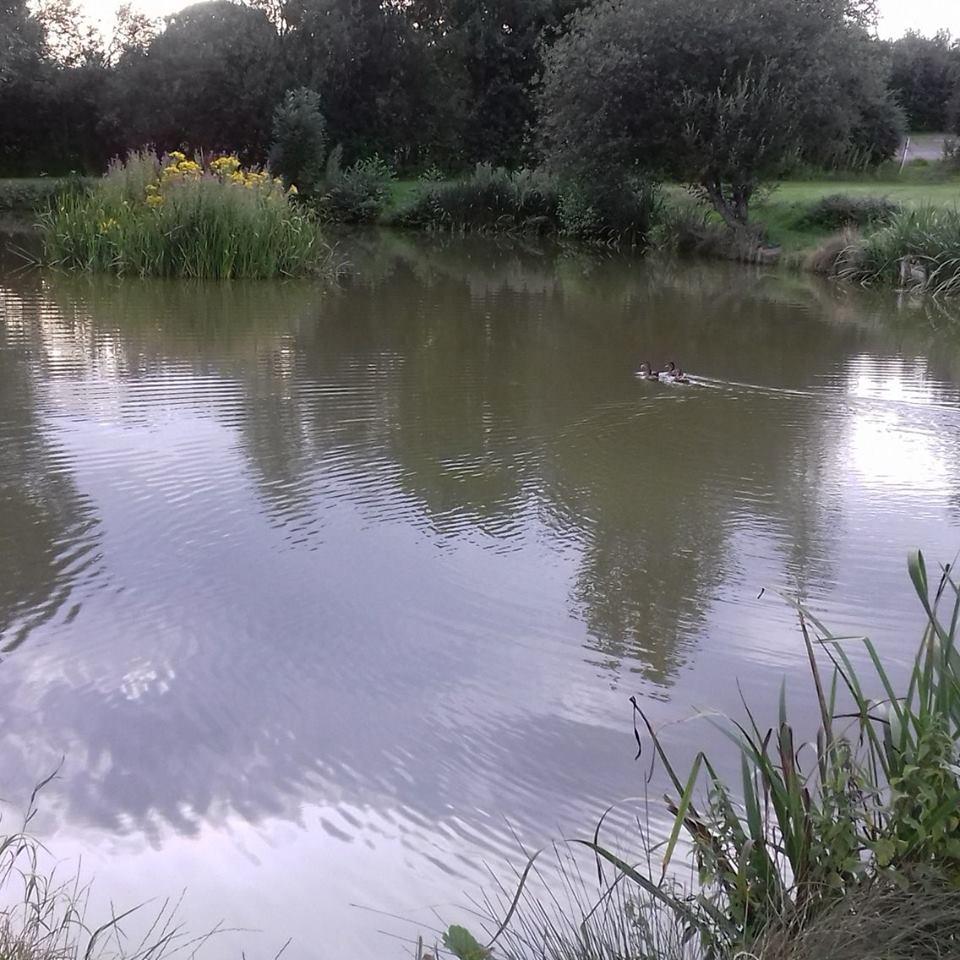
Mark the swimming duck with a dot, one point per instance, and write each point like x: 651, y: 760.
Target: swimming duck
x: 669, y: 372
x: 646, y: 372
x: 673, y: 374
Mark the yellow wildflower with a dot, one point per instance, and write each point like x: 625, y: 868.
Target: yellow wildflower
x: 177, y: 155
x: 154, y: 200
x: 292, y: 190
x: 225, y: 165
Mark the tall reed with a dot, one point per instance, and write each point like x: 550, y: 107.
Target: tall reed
x: 917, y: 247
x: 178, y: 217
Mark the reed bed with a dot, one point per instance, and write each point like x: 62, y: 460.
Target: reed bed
x: 917, y: 248
x: 173, y: 216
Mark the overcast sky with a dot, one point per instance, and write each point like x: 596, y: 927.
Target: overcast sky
x: 897, y: 16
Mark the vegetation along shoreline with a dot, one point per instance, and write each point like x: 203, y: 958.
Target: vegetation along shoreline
x: 757, y: 147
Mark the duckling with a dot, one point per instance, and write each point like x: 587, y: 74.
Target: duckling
x: 646, y: 372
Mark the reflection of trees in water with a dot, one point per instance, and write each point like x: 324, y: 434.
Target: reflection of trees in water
x: 487, y: 388
x: 48, y: 531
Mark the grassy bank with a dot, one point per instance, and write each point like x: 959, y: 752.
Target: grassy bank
x: 785, y: 211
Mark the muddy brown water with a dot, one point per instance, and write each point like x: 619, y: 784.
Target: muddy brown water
x: 329, y: 598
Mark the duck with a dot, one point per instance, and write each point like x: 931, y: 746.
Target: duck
x: 669, y: 373
x: 646, y: 372
x: 673, y: 374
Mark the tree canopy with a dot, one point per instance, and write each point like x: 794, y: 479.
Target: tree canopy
x: 925, y: 77
x: 724, y: 94
x: 719, y: 96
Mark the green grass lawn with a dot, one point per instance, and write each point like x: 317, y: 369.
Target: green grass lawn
x: 401, y: 193
x: 782, y: 210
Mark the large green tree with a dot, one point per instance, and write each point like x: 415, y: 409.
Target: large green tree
x: 925, y: 76
x: 210, y: 80
x: 720, y: 96
x: 377, y: 82
x: 490, y: 52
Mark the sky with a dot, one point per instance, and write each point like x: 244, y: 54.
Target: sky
x: 896, y: 16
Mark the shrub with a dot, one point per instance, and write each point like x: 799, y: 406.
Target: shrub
x: 33, y: 196
x: 833, y: 254
x: 178, y: 217
x: 299, y: 141
x: 845, y: 844
x: 491, y: 199
x: 358, y: 193
x: 839, y: 210
x: 918, y: 919
x: 494, y: 199
x: 618, y: 212
x: 919, y: 247
x: 951, y: 153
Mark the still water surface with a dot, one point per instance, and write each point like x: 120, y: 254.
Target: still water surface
x: 328, y: 598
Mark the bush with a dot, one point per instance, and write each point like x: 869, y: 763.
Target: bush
x: 299, y: 141
x: 491, y: 199
x: 878, y: 800
x: 690, y: 229
x: 839, y: 210
x: 178, y: 217
x: 833, y: 254
x: 618, y: 212
x: 951, y: 153
x: 919, y: 248
x: 35, y: 195
x: 357, y: 194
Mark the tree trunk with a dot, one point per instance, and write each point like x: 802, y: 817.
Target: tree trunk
x: 733, y: 210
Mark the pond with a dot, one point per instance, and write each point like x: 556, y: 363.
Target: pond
x: 328, y: 600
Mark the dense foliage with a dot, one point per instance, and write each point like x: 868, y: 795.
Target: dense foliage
x: 454, y: 83
x: 180, y: 217
x: 443, y: 81
x: 721, y: 97
x: 299, y: 140
x: 925, y: 77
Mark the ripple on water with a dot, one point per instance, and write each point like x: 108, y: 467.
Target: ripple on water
x: 351, y: 592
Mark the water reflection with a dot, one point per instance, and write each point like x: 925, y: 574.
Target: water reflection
x: 48, y: 531
x: 399, y: 552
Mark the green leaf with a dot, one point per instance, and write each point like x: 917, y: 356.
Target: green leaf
x: 463, y: 944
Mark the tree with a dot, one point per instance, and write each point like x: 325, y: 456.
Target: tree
x: 22, y: 42
x: 925, y: 76
x: 719, y: 96
x: 491, y: 52
x: 299, y: 140
x: 377, y: 80
x: 210, y: 80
